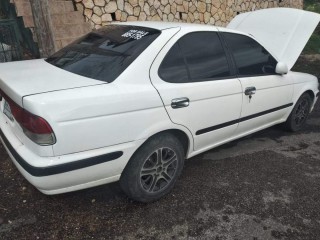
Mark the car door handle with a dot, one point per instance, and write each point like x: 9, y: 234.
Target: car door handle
x: 180, y: 102
x: 250, y: 91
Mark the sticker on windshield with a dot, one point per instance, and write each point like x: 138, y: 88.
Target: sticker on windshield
x: 135, y: 34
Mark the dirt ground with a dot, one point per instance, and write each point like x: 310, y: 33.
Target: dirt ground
x: 264, y: 186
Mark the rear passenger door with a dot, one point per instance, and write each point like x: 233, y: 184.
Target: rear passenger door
x: 271, y: 93
x: 198, y: 88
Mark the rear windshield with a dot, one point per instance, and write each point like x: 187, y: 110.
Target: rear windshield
x: 105, y: 53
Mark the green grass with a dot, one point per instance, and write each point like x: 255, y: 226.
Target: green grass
x: 313, y: 6
x: 313, y: 46
x: 307, y: 66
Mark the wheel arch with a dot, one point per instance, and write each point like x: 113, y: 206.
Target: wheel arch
x: 131, y: 178
x: 305, y: 90
x: 305, y: 83
x: 184, y: 137
x: 179, y: 131
x: 302, y: 92
x: 180, y: 135
x: 311, y: 94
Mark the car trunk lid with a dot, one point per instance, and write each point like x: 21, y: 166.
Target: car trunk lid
x: 19, y: 79
x: 283, y: 31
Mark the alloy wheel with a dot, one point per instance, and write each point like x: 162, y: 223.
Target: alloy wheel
x: 158, y: 170
x: 301, y: 112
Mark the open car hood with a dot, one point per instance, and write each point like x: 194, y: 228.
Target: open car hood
x: 282, y: 31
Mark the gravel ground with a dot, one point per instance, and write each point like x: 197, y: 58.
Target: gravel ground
x: 265, y: 186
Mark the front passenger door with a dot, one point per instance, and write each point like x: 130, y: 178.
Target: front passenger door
x: 267, y: 96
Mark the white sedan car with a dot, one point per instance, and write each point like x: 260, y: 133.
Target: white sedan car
x: 131, y: 101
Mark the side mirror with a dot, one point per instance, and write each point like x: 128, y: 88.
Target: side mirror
x: 282, y: 68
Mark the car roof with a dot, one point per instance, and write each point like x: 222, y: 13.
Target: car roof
x: 167, y: 25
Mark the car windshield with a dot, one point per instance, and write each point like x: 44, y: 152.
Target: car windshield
x: 105, y: 53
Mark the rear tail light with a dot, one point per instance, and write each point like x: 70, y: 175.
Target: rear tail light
x: 34, y: 127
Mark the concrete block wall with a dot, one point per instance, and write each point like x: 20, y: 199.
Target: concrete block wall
x: 67, y: 24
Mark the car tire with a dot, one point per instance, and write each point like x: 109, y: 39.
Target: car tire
x: 153, y: 170
x: 299, y: 114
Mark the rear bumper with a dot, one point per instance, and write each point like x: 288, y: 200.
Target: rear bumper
x: 60, y: 168
x: 69, y: 172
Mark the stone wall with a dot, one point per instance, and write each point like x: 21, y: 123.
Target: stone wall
x: 218, y: 12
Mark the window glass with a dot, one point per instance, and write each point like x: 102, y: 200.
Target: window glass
x: 195, y: 57
x: 251, y: 58
x: 105, y: 53
x: 173, y: 68
x: 205, y: 56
